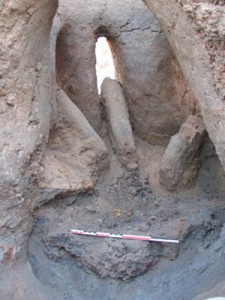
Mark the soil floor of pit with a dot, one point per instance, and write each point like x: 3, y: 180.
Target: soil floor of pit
x: 78, y: 268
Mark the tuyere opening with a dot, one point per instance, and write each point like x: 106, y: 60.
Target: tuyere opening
x: 104, y: 62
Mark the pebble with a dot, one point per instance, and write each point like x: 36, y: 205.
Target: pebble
x: 132, y: 166
x: 156, y: 204
x: 132, y: 190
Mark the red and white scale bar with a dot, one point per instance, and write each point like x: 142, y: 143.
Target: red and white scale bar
x: 123, y: 236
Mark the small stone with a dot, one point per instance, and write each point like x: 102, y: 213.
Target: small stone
x: 130, y: 213
x: 156, y: 204
x: 132, y: 166
x: 117, y: 212
x: 132, y: 190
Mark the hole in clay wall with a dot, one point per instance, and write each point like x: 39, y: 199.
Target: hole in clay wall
x: 104, y: 62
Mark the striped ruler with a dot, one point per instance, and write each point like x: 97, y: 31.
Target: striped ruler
x: 123, y: 236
